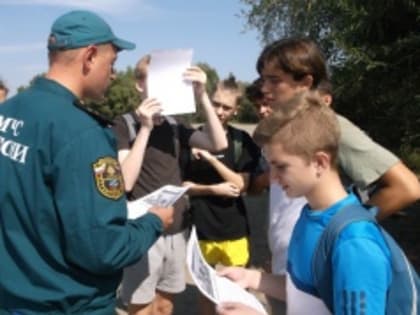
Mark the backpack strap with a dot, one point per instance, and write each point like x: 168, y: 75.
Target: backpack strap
x: 132, y: 125
x: 402, y: 295
x: 321, y: 260
x: 237, y: 138
x: 174, y: 124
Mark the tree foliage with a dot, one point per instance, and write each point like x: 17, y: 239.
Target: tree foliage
x: 120, y: 98
x: 373, y: 49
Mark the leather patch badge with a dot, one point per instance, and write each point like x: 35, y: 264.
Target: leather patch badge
x: 108, y: 177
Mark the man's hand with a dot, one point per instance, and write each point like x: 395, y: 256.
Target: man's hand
x: 199, y: 79
x: 148, y: 109
x: 233, y: 308
x: 166, y: 215
x: 226, y: 189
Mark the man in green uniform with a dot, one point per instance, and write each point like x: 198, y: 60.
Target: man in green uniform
x: 64, y: 233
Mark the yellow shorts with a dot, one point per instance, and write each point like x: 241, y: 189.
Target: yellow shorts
x: 227, y: 253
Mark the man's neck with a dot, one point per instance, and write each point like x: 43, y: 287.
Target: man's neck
x: 62, y: 76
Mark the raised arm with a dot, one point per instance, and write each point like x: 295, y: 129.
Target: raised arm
x: 212, y: 137
x: 131, y: 160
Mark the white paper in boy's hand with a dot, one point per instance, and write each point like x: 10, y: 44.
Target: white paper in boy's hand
x: 216, y: 288
x: 165, y: 81
x: 163, y: 197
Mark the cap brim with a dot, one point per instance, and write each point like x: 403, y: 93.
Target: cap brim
x: 123, y: 44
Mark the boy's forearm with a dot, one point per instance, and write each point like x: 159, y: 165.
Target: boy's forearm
x: 238, y: 179
x: 199, y: 190
x: 132, y: 163
x: 399, y: 187
x: 213, y: 127
x: 267, y: 283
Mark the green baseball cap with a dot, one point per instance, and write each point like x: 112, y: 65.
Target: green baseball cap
x: 83, y: 28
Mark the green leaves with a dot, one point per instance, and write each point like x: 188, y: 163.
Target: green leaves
x: 373, y: 50
x: 121, y: 97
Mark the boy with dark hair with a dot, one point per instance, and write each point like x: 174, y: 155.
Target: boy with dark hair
x: 294, y: 65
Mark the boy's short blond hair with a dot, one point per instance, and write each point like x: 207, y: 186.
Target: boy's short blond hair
x: 303, y: 127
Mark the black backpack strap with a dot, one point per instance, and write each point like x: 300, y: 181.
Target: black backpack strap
x: 132, y: 125
x: 174, y: 124
x: 237, y: 138
x: 321, y: 260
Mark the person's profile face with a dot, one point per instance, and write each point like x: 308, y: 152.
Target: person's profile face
x: 293, y: 173
x: 278, y: 86
x: 102, y: 70
x: 3, y: 95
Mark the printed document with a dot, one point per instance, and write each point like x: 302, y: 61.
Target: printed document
x: 216, y: 288
x: 163, y: 197
x: 165, y: 81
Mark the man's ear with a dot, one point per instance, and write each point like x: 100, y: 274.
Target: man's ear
x: 89, y: 56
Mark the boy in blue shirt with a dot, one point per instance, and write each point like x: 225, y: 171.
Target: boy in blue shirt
x: 301, y: 147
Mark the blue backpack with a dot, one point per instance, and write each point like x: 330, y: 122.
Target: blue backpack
x: 403, y: 293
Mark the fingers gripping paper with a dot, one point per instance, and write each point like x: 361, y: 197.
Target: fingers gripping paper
x: 216, y: 288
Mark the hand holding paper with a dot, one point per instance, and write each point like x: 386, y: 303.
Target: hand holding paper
x: 145, y: 112
x: 245, y: 278
x: 163, y: 197
x: 166, y: 215
x: 199, y: 78
x: 216, y: 288
x: 165, y: 81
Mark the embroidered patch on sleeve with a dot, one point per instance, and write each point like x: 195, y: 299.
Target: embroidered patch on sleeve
x: 108, y: 177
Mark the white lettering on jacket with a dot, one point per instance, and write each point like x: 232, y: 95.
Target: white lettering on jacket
x: 9, y: 148
x: 7, y: 123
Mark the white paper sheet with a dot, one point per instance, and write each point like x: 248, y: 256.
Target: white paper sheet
x: 163, y: 197
x: 165, y: 81
x: 216, y: 288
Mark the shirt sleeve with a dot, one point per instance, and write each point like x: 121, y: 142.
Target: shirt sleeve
x: 185, y: 133
x: 363, y: 160
x: 361, y: 271
x: 89, y: 193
